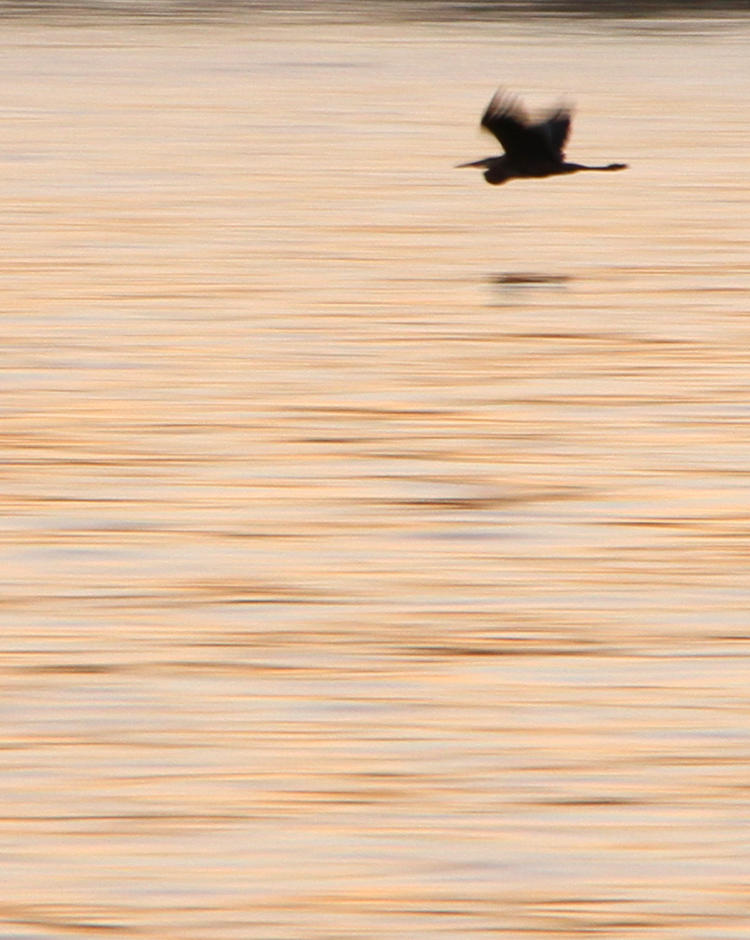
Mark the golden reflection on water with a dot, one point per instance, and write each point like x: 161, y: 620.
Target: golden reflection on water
x: 375, y: 540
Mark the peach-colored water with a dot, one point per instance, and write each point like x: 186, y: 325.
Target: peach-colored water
x: 375, y: 542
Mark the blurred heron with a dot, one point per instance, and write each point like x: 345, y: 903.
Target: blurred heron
x: 531, y: 149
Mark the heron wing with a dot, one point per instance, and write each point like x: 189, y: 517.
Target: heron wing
x: 552, y: 133
x: 507, y: 120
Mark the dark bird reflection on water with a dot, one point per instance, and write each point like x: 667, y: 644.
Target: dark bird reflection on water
x: 531, y: 149
x: 516, y: 278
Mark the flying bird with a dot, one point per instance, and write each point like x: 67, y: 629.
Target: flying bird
x: 531, y: 149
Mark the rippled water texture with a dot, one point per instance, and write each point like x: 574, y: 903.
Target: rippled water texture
x: 375, y: 540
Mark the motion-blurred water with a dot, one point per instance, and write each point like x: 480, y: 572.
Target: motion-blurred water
x: 375, y: 540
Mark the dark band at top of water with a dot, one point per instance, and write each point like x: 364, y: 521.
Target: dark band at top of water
x: 396, y: 9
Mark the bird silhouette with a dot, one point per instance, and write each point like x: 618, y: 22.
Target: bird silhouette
x: 531, y: 149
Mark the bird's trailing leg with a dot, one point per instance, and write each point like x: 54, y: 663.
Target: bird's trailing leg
x: 575, y: 167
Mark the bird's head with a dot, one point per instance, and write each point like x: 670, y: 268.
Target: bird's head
x: 497, y: 172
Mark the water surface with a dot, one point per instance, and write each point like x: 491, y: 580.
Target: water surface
x: 375, y: 540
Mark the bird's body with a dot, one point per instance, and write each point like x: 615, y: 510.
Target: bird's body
x: 531, y: 149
